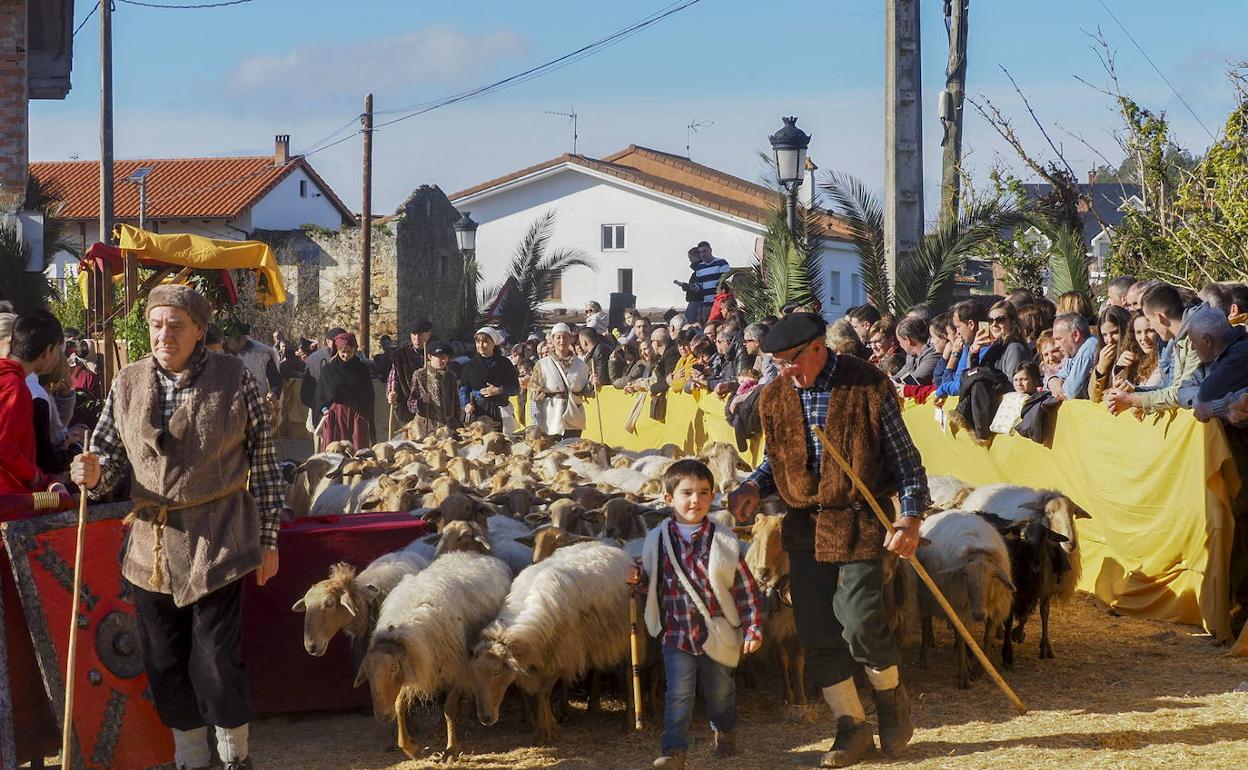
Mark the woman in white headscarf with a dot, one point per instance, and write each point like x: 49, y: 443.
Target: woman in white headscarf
x: 489, y: 380
x: 558, y: 387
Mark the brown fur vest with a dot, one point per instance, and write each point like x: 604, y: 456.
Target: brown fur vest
x: 841, y: 531
x: 200, y: 455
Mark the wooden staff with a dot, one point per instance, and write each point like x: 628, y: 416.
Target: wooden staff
x: 390, y: 424
x: 966, y: 635
x: 634, y: 640
x: 67, y: 729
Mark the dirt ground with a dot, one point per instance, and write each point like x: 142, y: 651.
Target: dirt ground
x: 1122, y: 693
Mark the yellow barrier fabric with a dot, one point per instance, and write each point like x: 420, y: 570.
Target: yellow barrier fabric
x: 1159, y: 491
x: 200, y: 253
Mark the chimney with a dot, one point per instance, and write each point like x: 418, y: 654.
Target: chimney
x: 1092, y: 176
x: 281, y: 149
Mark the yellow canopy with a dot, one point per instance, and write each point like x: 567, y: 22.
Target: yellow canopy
x: 200, y: 253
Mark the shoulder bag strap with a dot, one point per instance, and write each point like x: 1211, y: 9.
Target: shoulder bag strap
x: 693, y: 594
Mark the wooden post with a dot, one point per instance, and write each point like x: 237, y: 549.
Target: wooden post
x: 366, y: 229
x: 952, y: 100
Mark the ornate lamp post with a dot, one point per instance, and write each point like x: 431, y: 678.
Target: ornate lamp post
x: 789, y: 145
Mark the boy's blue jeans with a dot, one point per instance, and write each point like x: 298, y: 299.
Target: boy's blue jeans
x: 683, y: 670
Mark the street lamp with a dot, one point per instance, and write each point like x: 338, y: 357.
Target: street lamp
x: 139, y: 177
x: 466, y: 233
x: 789, y: 145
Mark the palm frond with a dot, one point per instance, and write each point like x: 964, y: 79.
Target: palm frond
x: 788, y: 271
x: 1068, y: 261
x: 533, y: 272
x: 927, y: 272
x: 862, y: 211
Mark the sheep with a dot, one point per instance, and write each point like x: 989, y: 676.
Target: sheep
x: 421, y: 644
x: 1038, y: 564
x: 1060, y: 512
x: 947, y: 492
x: 622, y: 520
x: 459, y: 507
x: 769, y: 563
x: 724, y: 461
x: 346, y: 601
x: 312, y: 477
x: 393, y: 494
x: 967, y: 558
x: 471, y: 536
x: 563, y: 617
x: 567, y: 515
x: 546, y: 540
x: 630, y: 480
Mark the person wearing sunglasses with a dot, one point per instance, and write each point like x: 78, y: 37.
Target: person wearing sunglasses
x: 835, y: 544
x: 1008, y: 348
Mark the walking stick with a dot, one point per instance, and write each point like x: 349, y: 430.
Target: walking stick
x: 598, y: 406
x: 634, y: 641
x: 67, y: 729
x: 966, y: 635
x: 390, y: 425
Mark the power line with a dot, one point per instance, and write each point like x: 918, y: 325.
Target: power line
x: 90, y: 13
x: 542, y: 69
x: 221, y: 4
x: 1160, y: 74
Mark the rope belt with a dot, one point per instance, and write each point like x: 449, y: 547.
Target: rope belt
x: 159, y: 519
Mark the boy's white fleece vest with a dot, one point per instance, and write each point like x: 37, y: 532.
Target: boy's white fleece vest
x: 724, y: 634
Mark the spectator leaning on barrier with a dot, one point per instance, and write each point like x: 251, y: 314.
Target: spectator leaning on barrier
x: 1114, y: 361
x: 1116, y: 290
x: 1163, y: 306
x: 1073, y: 335
x: 886, y: 353
x: 667, y: 358
x: 1008, y: 350
x: 1223, y: 353
x: 967, y: 316
x: 913, y: 336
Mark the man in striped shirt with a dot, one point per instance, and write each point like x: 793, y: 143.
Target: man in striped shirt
x: 708, y: 274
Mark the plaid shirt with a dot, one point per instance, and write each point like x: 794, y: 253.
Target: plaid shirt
x: 265, y: 476
x: 900, y: 454
x: 683, y: 626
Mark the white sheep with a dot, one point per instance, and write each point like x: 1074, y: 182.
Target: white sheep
x: 346, y: 601
x: 948, y: 492
x: 967, y: 558
x: 471, y: 536
x: 563, y: 617
x: 420, y: 647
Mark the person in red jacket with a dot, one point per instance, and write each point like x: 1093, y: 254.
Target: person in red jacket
x: 33, y: 348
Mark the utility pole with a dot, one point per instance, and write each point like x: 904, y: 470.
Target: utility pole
x: 106, y: 192
x: 951, y: 100
x: 366, y: 227
x: 903, y: 132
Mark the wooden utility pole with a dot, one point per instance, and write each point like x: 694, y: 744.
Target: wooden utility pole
x: 366, y: 228
x: 951, y: 100
x: 903, y: 132
x: 106, y: 186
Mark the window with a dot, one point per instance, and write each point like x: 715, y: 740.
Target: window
x: 857, y: 283
x: 303, y: 188
x: 625, y: 280
x: 613, y: 237
x: 556, y: 287
x: 834, y: 287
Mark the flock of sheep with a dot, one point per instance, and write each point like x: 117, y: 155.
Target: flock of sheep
x: 525, y: 581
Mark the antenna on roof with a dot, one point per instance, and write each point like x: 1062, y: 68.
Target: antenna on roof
x: 572, y: 116
x: 692, y: 129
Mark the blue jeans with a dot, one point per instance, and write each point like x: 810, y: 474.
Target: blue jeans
x: 683, y: 670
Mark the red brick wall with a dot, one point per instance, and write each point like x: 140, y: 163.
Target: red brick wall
x: 14, y: 105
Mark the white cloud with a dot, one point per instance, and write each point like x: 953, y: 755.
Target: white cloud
x: 436, y: 54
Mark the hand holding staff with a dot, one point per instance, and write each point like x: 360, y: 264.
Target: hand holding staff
x: 966, y: 635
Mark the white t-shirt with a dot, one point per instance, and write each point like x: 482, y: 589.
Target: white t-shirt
x: 686, y: 530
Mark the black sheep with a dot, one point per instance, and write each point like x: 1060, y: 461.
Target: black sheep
x: 1037, y: 561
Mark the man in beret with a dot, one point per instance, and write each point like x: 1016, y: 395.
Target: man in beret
x: 835, y: 543
x: 407, y: 360
x: 207, y: 493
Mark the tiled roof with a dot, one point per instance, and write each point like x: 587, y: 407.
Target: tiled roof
x: 673, y: 175
x: 177, y: 188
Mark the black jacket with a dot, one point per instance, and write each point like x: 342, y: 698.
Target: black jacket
x: 480, y: 372
x: 348, y: 383
x: 667, y: 365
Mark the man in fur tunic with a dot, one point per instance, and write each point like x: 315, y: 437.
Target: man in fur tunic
x: 835, y: 543
x: 189, y: 428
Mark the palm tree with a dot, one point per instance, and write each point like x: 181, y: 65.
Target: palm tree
x: 788, y: 272
x: 926, y: 272
x: 532, y: 277
x: 30, y: 289
x: 1068, y: 261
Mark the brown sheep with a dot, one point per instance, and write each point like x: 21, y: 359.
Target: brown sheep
x: 546, y: 540
x: 458, y: 507
x: 769, y: 563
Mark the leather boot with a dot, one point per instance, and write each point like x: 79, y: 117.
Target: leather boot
x: 674, y: 761
x: 892, y: 707
x: 854, y: 741
x: 725, y: 744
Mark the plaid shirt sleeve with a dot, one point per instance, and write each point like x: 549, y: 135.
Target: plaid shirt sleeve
x: 266, y: 476
x: 763, y: 478
x: 903, y: 460
x: 749, y: 602
x: 106, y: 444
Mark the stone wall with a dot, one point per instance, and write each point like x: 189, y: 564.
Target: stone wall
x: 14, y: 104
x: 429, y: 264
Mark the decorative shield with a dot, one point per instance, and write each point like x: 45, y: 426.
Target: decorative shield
x: 115, y: 720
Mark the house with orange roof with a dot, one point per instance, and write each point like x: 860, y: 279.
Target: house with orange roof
x: 636, y: 213
x: 226, y: 197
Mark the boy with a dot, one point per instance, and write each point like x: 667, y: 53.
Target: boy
x: 703, y: 604
x: 435, y: 389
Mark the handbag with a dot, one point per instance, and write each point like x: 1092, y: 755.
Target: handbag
x: 574, y: 407
x: 723, y: 639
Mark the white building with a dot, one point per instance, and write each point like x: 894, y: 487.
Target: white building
x: 226, y: 198
x: 636, y: 213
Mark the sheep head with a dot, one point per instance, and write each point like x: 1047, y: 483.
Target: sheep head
x: 979, y: 571
x: 387, y: 669
x: 546, y: 540
x: 517, y: 503
x: 493, y: 671
x: 569, y: 515
x: 767, y: 559
x: 329, y: 606
x: 1060, y: 512
x: 340, y: 447
x: 459, y: 506
x: 390, y: 494
x: 468, y: 536
x: 622, y: 520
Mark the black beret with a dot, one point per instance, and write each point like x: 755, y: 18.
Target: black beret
x: 440, y: 348
x: 793, y: 330
x: 422, y: 326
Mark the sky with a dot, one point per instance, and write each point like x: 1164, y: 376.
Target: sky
x: 224, y: 81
